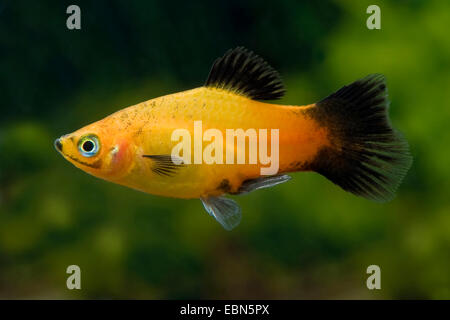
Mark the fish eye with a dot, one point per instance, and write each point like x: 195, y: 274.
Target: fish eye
x: 89, y: 145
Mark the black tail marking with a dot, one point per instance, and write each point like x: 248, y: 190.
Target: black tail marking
x: 367, y: 157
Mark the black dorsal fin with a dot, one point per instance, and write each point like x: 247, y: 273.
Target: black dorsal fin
x: 245, y: 73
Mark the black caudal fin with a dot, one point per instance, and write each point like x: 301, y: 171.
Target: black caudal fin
x: 245, y: 73
x: 367, y: 157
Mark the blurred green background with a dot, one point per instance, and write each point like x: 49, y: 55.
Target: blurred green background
x: 303, y: 239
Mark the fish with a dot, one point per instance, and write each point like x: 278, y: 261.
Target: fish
x: 346, y: 137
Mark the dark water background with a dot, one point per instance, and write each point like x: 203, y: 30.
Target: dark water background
x: 303, y: 239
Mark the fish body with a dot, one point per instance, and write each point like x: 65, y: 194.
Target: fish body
x: 146, y: 129
x: 345, y: 137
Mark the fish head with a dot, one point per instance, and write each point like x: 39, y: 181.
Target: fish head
x: 96, y: 150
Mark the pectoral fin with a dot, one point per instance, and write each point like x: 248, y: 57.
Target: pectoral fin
x: 226, y: 211
x: 165, y: 165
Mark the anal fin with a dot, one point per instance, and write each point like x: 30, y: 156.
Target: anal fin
x: 262, y: 182
x: 226, y: 211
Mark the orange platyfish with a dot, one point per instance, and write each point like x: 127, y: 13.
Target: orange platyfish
x: 221, y: 139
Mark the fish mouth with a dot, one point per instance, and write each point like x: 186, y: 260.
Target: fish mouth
x: 58, y: 145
